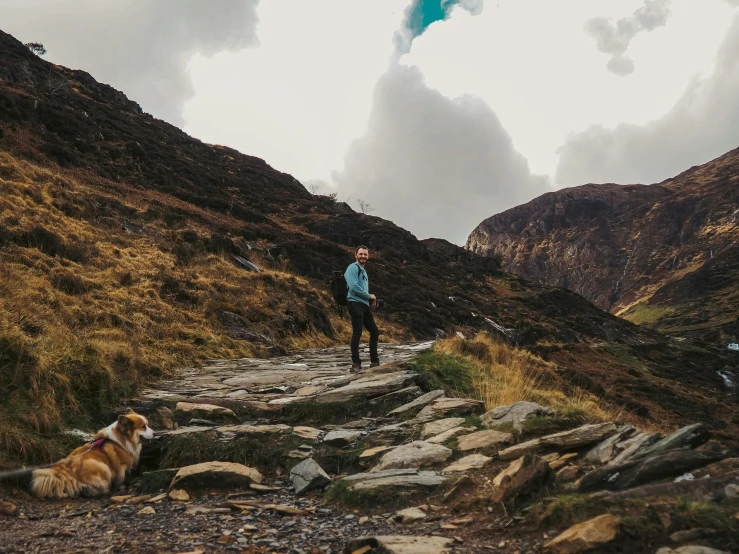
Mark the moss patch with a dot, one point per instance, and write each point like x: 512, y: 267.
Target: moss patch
x: 449, y: 372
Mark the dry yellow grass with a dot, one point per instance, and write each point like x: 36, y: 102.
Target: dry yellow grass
x: 89, y: 310
x: 504, y: 375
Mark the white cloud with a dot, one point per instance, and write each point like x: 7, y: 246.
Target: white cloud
x: 702, y: 125
x: 138, y: 46
x: 614, y: 37
x: 434, y: 165
x: 300, y: 98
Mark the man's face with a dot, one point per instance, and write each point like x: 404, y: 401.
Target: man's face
x: 362, y: 256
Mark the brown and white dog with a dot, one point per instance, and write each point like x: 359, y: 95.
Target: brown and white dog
x: 97, y: 467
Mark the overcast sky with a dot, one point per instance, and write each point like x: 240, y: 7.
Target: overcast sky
x: 438, y: 113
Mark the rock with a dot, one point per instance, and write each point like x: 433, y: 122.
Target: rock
x: 697, y: 489
x: 604, y: 451
x: 389, y: 433
x: 632, y: 473
x: 473, y: 461
x: 439, y: 426
x: 629, y: 447
x: 402, y: 395
x: 263, y: 488
x: 418, y: 403
x: 450, y: 434
x: 393, y: 478
x: 369, y: 387
x: 139, y: 499
x: 515, y: 413
x: 120, y: 498
x: 567, y: 474
x: 146, y: 511
x: 443, y: 406
x: 247, y: 430
x: 582, y: 436
x: 215, y: 475
x: 416, y: 454
x: 691, y: 549
x: 691, y: 534
x: 483, y: 439
x: 562, y: 461
x: 731, y: 491
x: 166, y: 418
x: 689, y: 436
x: 585, y: 536
x: 400, y: 545
x: 341, y: 438
x: 207, y: 431
x: 204, y: 510
x: 197, y: 421
x: 519, y: 477
x: 210, y: 411
x: 518, y: 450
x: 308, y: 475
x: 308, y: 433
x: 372, y: 452
x: 409, y: 515
x: 8, y: 508
x: 179, y: 495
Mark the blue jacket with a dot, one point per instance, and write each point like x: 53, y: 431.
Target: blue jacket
x: 358, y: 284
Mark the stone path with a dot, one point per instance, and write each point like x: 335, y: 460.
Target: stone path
x: 298, y: 455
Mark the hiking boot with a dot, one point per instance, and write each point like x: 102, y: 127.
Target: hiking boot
x: 374, y: 364
x: 356, y: 367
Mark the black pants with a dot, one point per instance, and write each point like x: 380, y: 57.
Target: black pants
x: 362, y: 317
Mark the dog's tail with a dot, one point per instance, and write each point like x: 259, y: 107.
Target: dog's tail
x: 54, y: 482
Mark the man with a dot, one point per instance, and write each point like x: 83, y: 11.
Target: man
x: 360, y: 303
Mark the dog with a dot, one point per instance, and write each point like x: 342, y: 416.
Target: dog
x: 99, y: 466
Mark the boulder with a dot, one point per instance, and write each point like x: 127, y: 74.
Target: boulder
x: 188, y: 410
x: 369, y: 387
x: 483, y: 439
x: 582, y: 436
x: 587, y: 535
x: 473, y: 461
x: 308, y: 475
x: 307, y: 433
x: 518, y: 450
x: 179, y: 495
x: 393, y: 478
x: 165, y: 418
x: 215, y: 475
x: 439, y: 426
x: 567, y: 474
x: 450, y: 434
x: 415, y: 454
x: 418, y: 403
x: 400, y: 545
x: 515, y: 413
x: 341, y: 438
x: 519, y: 477
x: 444, y: 406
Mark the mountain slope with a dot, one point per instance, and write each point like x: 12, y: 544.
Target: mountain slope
x: 117, y: 241
x: 664, y: 254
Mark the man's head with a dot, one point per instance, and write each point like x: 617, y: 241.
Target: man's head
x: 361, y: 254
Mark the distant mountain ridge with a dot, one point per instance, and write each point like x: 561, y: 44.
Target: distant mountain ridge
x: 664, y: 254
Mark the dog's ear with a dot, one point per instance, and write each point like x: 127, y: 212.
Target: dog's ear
x: 124, y: 424
x: 130, y: 411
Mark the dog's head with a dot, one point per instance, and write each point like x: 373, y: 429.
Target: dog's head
x: 134, y: 427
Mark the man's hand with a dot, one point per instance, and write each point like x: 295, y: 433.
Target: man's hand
x: 373, y: 300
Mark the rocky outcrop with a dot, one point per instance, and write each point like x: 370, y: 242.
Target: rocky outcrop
x: 216, y: 475
x: 416, y: 454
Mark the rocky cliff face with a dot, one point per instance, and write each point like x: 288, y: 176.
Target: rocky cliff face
x: 662, y: 254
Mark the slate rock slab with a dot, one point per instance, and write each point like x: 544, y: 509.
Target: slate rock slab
x: 515, y: 413
x: 413, y: 455
x: 215, y: 475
